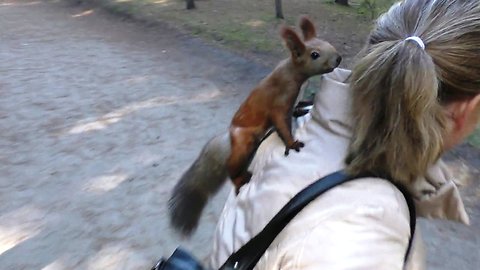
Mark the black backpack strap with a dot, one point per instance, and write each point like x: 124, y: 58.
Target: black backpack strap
x: 248, y: 255
x: 413, y: 216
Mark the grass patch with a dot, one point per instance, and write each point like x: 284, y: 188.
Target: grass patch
x: 373, y: 8
x: 250, y: 25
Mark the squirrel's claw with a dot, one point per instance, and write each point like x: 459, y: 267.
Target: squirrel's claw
x: 296, y: 145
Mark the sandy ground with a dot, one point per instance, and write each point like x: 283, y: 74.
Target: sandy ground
x: 99, y: 117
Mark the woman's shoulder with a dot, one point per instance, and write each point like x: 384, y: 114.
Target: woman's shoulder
x: 363, y: 201
x: 363, y: 209
x: 363, y: 196
x: 343, y: 222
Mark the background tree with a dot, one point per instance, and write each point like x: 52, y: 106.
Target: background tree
x: 342, y: 2
x: 278, y: 9
x: 190, y: 4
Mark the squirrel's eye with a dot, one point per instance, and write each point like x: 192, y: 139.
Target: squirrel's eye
x: 315, y: 55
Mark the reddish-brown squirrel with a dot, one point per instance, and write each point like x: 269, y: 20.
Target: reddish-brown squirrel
x: 270, y: 104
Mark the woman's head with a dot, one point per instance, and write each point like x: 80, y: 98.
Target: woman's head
x: 411, y: 103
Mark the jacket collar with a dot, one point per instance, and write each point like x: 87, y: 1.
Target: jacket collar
x: 332, y: 103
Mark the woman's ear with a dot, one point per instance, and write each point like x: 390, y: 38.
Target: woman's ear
x: 466, y: 112
x: 293, y: 41
x: 465, y: 116
x: 473, y: 112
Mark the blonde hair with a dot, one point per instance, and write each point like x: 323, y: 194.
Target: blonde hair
x: 399, y: 88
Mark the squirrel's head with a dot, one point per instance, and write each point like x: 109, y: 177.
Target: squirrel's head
x: 311, y: 55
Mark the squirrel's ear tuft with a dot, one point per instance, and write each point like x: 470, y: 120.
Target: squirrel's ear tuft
x: 292, y: 41
x: 308, y: 28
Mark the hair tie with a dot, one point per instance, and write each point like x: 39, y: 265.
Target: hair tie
x: 418, y: 40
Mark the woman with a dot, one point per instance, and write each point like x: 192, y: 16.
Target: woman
x: 414, y: 94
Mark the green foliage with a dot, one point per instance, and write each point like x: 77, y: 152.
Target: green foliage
x: 369, y: 8
x: 373, y: 8
x: 475, y: 138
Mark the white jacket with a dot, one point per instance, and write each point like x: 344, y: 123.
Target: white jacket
x: 363, y: 224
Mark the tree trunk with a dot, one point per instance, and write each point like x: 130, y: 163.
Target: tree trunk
x: 278, y: 9
x: 190, y: 4
x: 342, y: 2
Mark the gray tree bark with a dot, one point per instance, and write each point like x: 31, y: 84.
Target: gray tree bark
x: 278, y: 9
x: 342, y: 2
x: 190, y: 4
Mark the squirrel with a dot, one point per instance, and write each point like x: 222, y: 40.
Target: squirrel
x: 270, y: 104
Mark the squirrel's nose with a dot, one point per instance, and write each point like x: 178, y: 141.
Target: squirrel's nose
x: 339, y: 59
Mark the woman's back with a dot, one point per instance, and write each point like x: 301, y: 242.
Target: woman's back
x: 343, y: 217
x: 414, y: 94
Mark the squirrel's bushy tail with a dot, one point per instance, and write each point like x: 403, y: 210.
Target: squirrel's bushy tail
x: 198, y: 184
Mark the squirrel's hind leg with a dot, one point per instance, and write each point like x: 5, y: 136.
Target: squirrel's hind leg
x: 243, y: 146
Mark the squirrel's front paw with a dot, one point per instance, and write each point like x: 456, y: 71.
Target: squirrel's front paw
x: 296, y: 145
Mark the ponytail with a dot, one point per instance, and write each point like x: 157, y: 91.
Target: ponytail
x: 402, y: 82
x: 398, y: 120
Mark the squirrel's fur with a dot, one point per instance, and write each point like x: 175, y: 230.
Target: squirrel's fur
x: 270, y: 104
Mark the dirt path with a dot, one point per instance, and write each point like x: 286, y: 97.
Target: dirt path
x: 98, y: 118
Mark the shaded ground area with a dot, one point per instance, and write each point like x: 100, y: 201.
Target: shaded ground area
x: 98, y: 118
